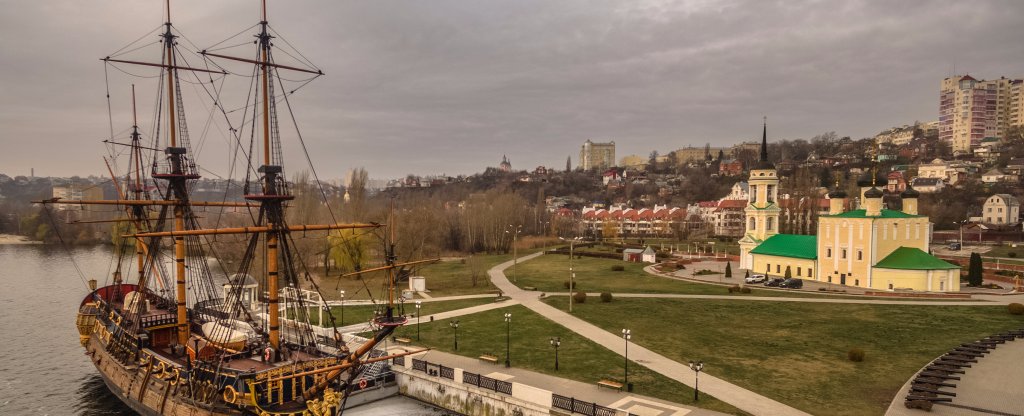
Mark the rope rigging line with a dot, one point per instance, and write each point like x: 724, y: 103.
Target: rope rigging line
x: 63, y: 245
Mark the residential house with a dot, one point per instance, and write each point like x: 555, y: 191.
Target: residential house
x: 927, y: 185
x: 1001, y: 209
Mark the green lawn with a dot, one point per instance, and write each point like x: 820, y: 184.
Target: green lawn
x: 444, y: 278
x: 550, y: 273
x: 363, y: 313
x: 579, y: 358
x: 796, y: 352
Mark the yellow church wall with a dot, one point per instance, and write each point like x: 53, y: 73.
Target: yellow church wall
x: 800, y: 268
x: 918, y: 280
x: 852, y: 235
x: 902, y: 232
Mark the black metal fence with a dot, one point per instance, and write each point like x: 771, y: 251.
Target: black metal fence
x: 400, y: 360
x: 580, y: 406
x: 486, y: 383
x: 419, y: 365
x: 447, y: 372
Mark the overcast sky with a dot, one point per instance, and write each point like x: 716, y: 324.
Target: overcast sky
x: 430, y: 87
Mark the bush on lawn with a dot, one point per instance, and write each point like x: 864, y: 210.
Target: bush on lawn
x: 618, y: 268
x: 565, y: 284
x: 606, y: 297
x: 856, y: 355
x: 1016, y: 309
x: 579, y: 297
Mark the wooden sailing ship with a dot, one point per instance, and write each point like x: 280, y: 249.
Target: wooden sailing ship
x: 165, y: 341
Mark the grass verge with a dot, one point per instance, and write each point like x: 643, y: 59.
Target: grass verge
x: 796, y: 353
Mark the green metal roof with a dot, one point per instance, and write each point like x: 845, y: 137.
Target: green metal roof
x: 860, y: 213
x: 789, y: 245
x: 909, y: 258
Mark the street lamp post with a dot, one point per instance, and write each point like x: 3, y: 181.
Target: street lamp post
x: 342, y: 307
x: 572, y: 274
x: 556, y: 342
x: 515, y: 256
x: 418, y: 305
x: 696, y: 366
x: 455, y: 325
x: 626, y: 334
x: 508, y: 337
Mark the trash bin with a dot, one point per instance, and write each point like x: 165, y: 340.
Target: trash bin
x: 629, y: 387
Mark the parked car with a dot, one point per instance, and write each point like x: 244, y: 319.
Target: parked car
x: 756, y: 278
x: 775, y: 282
x: 792, y: 283
x: 954, y: 246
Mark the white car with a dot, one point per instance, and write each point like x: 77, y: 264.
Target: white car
x: 755, y: 278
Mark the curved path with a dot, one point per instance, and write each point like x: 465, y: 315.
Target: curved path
x: 742, y: 398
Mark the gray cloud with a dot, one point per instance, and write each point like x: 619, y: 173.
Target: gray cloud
x: 450, y: 86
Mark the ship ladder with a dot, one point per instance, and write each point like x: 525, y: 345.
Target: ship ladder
x: 167, y: 391
x: 145, y: 380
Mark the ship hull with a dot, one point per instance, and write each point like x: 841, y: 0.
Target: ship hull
x: 158, y: 397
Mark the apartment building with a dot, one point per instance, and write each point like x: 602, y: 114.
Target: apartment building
x: 971, y: 110
x: 597, y: 155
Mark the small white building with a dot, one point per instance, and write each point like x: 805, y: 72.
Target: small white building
x: 1001, y: 209
x: 635, y: 255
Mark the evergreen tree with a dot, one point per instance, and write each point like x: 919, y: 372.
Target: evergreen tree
x: 789, y: 273
x: 728, y: 269
x: 974, y: 270
x: 568, y: 163
x: 746, y: 274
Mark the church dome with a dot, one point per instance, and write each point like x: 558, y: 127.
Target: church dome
x: 910, y: 193
x: 873, y: 193
x: 837, y: 193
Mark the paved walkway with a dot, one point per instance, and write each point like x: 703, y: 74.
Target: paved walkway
x: 785, y: 299
x: 743, y: 399
x: 992, y: 386
x: 632, y: 403
x: 811, y: 287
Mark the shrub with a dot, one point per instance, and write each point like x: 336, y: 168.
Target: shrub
x: 618, y: 268
x: 1016, y: 309
x: 579, y: 297
x: 728, y: 269
x: 856, y: 355
x: 734, y: 288
x: 974, y: 270
x: 679, y: 266
x: 565, y: 284
x: 821, y: 289
x: 1011, y: 254
x: 744, y: 289
x: 606, y: 297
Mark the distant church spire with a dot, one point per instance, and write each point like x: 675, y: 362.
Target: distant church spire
x: 764, y: 141
x: 763, y: 163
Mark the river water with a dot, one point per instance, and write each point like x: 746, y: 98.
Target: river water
x: 43, y: 368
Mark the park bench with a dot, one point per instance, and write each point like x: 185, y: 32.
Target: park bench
x: 402, y: 340
x: 529, y: 288
x: 609, y: 384
x: 490, y: 358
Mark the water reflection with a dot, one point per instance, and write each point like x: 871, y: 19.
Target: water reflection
x: 94, y: 399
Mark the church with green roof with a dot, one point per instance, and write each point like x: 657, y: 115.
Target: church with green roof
x: 870, y: 247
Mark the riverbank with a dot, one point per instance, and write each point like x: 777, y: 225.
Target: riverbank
x: 16, y: 239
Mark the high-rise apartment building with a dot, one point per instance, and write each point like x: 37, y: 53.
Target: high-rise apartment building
x: 597, y: 155
x: 971, y: 110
